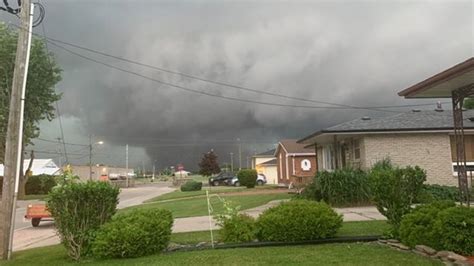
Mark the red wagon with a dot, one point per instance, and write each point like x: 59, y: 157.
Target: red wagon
x: 37, y: 213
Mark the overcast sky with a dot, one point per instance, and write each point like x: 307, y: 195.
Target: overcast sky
x: 349, y: 52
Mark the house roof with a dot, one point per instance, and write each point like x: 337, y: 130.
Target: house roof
x: 271, y: 162
x: 269, y: 153
x: 292, y: 146
x: 442, y: 84
x: 409, y: 121
x: 40, y: 166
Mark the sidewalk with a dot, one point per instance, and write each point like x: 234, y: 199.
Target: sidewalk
x: 201, y: 223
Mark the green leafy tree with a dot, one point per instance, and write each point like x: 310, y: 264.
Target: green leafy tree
x: 469, y: 103
x: 43, y: 75
x: 209, y: 165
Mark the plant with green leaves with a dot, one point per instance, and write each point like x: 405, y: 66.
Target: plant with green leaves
x: 454, y: 229
x: 134, y: 234
x: 43, y: 75
x: 235, y: 227
x: 247, y: 177
x: 40, y: 184
x: 298, y: 220
x: 79, y: 209
x: 395, y: 189
x: 417, y: 227
x: 341, y: 187
x: 191, y: 185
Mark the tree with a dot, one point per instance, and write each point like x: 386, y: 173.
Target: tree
x: 468, y: 103
x: 43, y: 75
x: 209, y: 165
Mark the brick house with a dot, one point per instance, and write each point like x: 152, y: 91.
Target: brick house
x: 295, y: 163
x: 423, y: 138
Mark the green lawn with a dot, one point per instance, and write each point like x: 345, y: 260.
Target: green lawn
x: 34, y: 197
x: 365, y: 228
x: 188, y: 207
x: 178, y: 194
x: 328, y: 254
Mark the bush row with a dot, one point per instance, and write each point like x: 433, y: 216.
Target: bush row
x: 340, y: 187
x: 37, y: 184
x: 191, y: 185
x: 441, y: 225
x: 296, y: 220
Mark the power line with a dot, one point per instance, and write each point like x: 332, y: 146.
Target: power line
x: 227, y: 84
x: 337, y: 106
x: 57, y: 105
x: 206, y: 93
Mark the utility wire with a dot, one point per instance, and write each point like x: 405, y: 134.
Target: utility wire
x: 57, y: 105
x: 206, y: 93
x: 227, y: 84
x: 336, y: 105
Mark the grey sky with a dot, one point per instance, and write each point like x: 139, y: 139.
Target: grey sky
x: 352, y: 52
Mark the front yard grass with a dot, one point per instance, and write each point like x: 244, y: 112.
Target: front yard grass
x: 178, y: 194
x: 328, y: 254
x: 189, y: 207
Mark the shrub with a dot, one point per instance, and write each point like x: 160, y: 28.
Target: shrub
x: 431, y: 193
x: 235, y: 227
x: 134, y: 234
x: 191, y: 185
x: 247, y: 177
x: 416, y: 227
x: 298, y: 220
x: 40, y: 184
x: 341, y: 187
x: 454, y: 229
x: 395, y: 189
x: 79, y: 209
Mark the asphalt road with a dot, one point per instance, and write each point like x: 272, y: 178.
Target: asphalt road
x: 26, y: 236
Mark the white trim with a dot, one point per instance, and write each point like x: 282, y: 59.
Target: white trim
x: 287, y: 170
x: 302, y: 154
x: 281, y: 166
x: 293, y: 161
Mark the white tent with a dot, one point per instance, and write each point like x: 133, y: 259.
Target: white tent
x: 39, y: 167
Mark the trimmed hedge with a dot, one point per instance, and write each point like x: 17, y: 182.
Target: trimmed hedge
x: 298, y: 220
x: 441, y: 225
x: 247, y: 177
x: 454, y: 228
x: 191, y: 185
x: 137, y: 233
x: 40, y: 184
x: 79, y: 209
x: 340, y: 187
x: 416, y: 227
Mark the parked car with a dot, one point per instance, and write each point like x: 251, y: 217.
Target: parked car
x: 261, y: 180
x: 221, y: 179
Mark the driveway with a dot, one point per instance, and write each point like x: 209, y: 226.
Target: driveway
x: 26, y: 236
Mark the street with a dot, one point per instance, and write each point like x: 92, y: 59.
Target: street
x: 26, y: 236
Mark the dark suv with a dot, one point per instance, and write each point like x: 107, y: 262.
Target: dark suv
x: 223, y: 178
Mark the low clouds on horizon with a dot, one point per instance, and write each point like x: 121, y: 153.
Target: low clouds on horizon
x: 351, y: 52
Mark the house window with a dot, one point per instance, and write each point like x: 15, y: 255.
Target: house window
x: 328, y: 157
x: 356, y: 149
x: 306, y: 165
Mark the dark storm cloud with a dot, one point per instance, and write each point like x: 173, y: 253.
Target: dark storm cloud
x: 352, y: 52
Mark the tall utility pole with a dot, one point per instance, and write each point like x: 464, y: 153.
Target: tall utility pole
x: 232, y: 162
x: 126, y: 164
x: 14, y: 139
x: 90, y: 157
x: 240, y: 154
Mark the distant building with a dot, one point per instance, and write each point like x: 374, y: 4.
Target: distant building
x: 265, y: 163
x: 295, y: 163
x: 101, y: 172
x: 39, y: 167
